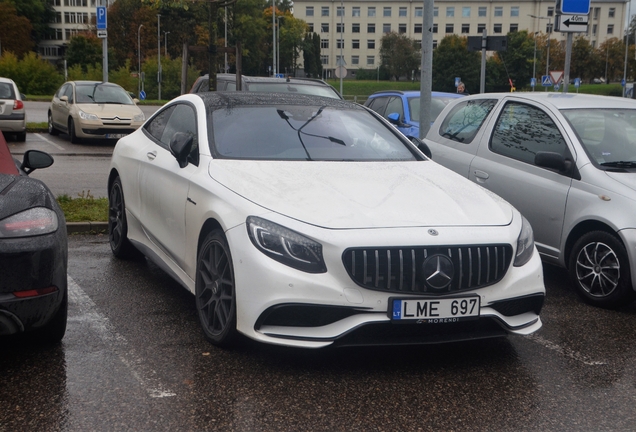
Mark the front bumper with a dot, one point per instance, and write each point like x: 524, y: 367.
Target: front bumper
x: 97, y: 129
x: 32, y: 264
x: 280, y: 305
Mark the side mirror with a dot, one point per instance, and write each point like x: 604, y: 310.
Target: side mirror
x: 550, y: 160
x: 64, y: 98
x: 180, y: 146
x: 35, y: 159
x: 421, y: 145
x: 394, y: 118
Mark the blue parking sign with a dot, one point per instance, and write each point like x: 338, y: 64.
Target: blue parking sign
x: 101, y: 18
x: 533, y: 82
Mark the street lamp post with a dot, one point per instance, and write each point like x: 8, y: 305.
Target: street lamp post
x: 159, y: 55
x: 165, y: 45
x: 547, y: 61
x: 278, y: 43
x: 534, y: 61
x: 139, y: 59
x: 274, y: 36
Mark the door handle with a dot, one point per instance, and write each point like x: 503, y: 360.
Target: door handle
x: 481, y: 175
x: 151, y: 155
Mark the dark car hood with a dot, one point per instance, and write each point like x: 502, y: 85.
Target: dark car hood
x: 18, y: 193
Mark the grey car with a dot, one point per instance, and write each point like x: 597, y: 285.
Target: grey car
x: 568, y: 163
x: 12, y: 111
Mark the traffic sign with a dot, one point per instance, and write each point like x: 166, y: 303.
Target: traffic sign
x: 556, y: 77
x: 578, y: 7
x: 572, y: 23
x: 457, y: 81
x: 142, y: 95
x: 623, y: 82
x: 577, y: 82
x: 546, y: 81
x: 533, y: 82
x: 102, y: 34
x: 101, y: 18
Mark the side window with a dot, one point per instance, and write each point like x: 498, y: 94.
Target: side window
x: 231, y: 86
x: 158, y: 124
x: 464, y: 121
x: 61, y: 91
x: 523, y: 130
x: 69, y: 92
x: 395, y: 106
x: 183, y: 119
x: 378, y: 104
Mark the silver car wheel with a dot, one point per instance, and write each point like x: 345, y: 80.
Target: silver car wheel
x: 598, y: 269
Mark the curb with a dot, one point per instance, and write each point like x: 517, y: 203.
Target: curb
x: 86, y: 227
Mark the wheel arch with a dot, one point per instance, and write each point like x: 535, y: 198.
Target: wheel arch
x: 111, y: 177
x: 580, y: 229
x: 208, y: 226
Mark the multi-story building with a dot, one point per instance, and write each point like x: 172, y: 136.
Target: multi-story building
x: 71, y: 17
x: 355, y: 27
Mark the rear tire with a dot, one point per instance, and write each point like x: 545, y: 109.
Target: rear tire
x: 21, y: 137
x: 117, y: 224
x: 54, y: 330
x: 599, y: 269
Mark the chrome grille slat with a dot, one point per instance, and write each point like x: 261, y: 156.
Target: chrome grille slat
x: 389, y: 269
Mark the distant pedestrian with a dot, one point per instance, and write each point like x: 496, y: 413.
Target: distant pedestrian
x: 461, y: 89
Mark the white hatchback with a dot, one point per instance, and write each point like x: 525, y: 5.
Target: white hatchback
x: 12, y: 111
x: 308, y: 221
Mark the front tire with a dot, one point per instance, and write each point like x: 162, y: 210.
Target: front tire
x: 117, y: 223
x: 71, y: 132
x: 215, y: 290
x: 599, y: 269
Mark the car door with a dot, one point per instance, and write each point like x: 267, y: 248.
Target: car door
x: 60, y: 108
x: 163, y: 185
x: 505, y: 164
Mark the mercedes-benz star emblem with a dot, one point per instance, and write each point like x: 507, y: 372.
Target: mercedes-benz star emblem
x: 438, y: 271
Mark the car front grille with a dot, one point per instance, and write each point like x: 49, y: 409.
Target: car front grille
x: 428, y: 270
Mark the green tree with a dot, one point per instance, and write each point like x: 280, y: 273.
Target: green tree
x: 15, y: 31
x: 311, y: 55
x: 39, y: 13
x: 399, y: 55
x: 84, y: 49
x: 452, y: 59
x: 292, y: 31
x: 33, y: 75
x: 582, y: 58
x: 517, y: 60
x: 254, y: 31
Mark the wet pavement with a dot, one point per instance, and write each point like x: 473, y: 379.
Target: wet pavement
x: 134, y: 358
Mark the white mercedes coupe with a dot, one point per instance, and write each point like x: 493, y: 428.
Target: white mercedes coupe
x: 306, y: 221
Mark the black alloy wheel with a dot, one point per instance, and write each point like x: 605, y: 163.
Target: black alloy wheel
x: 71, y: 132
x: 215, y: 290
x: 52, y: 129
x: 599, y: 269
x: 117, y: 224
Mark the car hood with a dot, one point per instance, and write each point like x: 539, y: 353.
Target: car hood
x: 110, y: 110
x: 343, y: 195
x: 627, y: 179
x: 18, y: 193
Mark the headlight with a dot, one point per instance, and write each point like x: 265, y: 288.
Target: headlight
x: 139, y: 118
x: 86, y: 116
x: 286, y: 246
x: 525, y: 244
x: 32, y: 222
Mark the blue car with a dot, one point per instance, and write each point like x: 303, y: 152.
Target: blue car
x: 402, y: 108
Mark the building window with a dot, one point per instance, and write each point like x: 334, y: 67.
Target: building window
x: 324, y: 43
x: 339, y: 11
x: 370, y: 28
x: 419, y: 12
x: 434, y: 28
x: 371, y: 44
x: 466, y: 12
x: 417, y: 28
x: 402, y: 12
x: 371, y: 11
x: 514, y: 28
x: 56, y: 2
x: 482, y: 11
x: 355, y: 11
x: 514, y: 11
x: 387, y: 11
x: 355, y: 28
x: 309, y: 11
x: 611, y: 13
x: 324, y: 11
x: 340, y: 43
x: 450, y: 12
x: 481, y: 28
x: 496, y: 29
x: 465, y: 28
x: 597, y: 12
x: 594, y: 28
x: 401, y: 28
x: 324, y: 28
x: 450, y: 28
x: 324, y: 59
x: 339, y: 27
x: 370, y: 60
x: 69, y: 33
x: 49, y: 51
x: 550, y: 11
x: 57, y: 19
x: 310, y: 27
x: 76, y: 3
x: 435, y: 11
x: 549, y: 27
x: 610, y: 29
x: 355, y: 44
x: 498, y: 11
x: 386, y: 28
x: 355, y: 60
x: 434, y: 44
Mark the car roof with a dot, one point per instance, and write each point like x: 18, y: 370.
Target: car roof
x: 7, y: 80
x: 415, y: 93
x: 85, y: 82
x: 563, y: 101
x: 233, y: 98
x: 7, y: 164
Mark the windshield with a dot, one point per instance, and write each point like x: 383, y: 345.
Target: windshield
x: 100, y: 93
x: 298, y: 88
x: 607, y: 135
x: 295, y: 132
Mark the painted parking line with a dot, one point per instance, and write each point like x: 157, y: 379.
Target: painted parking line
x: 574, y: 355
x: 44, y: 138
x: 89, y: 315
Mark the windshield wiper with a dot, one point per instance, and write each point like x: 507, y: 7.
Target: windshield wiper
x: 620, y: 164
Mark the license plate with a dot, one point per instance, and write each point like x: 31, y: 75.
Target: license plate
x: 434, y: 310
x: 113, y: 136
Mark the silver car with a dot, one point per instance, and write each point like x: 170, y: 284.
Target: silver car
x: 12, y: 112
x: 568, y: 163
